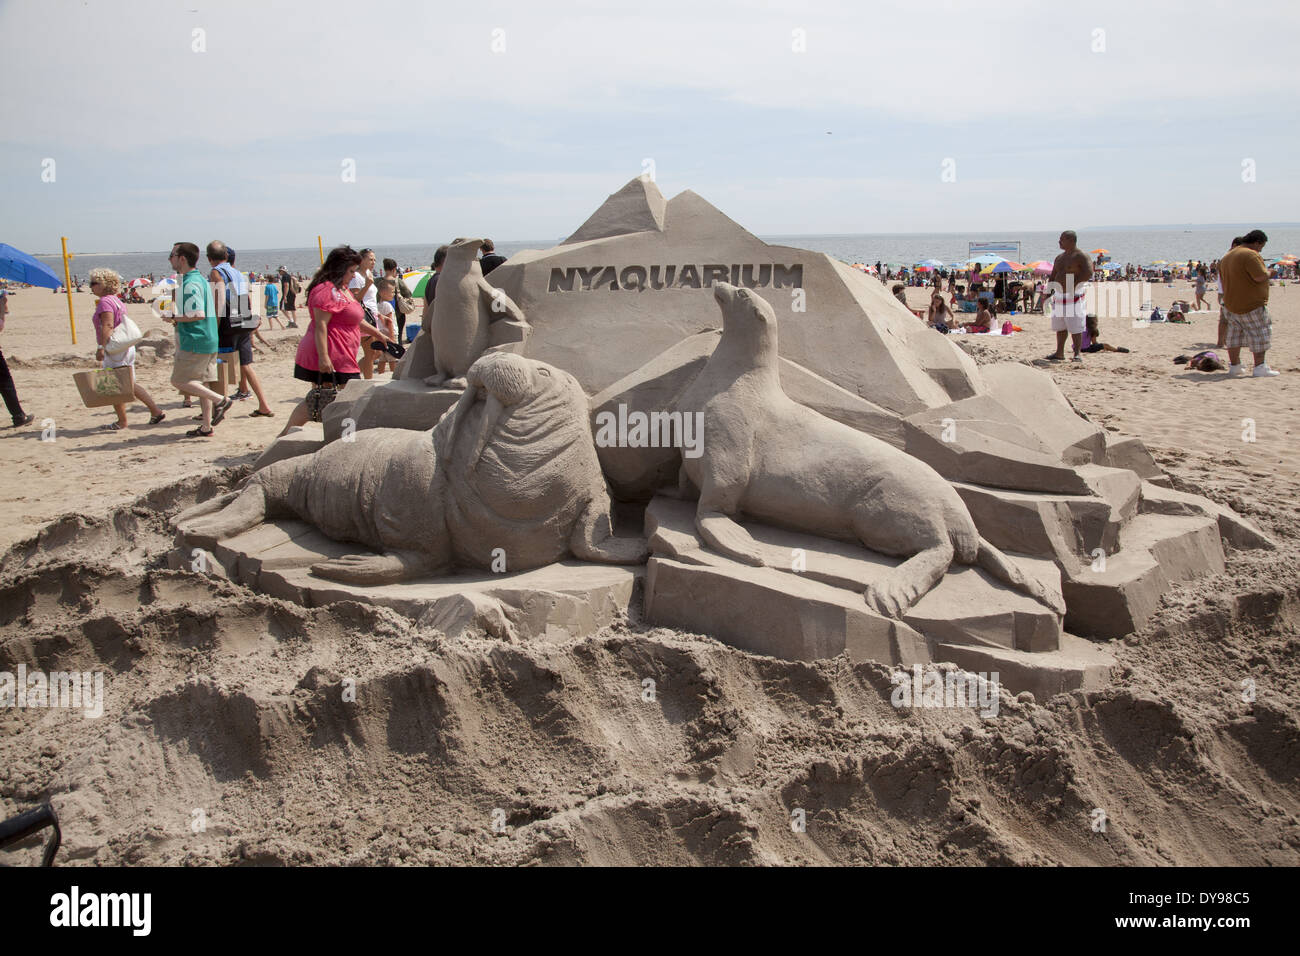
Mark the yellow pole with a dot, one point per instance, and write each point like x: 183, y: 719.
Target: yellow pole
x: 67, y: 287
x: 321, y: 246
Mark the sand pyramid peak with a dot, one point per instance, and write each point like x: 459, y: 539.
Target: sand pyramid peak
x: 689, y: 214
x: 637, y: 207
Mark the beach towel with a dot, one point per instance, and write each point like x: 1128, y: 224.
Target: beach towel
x: 1069, y: 310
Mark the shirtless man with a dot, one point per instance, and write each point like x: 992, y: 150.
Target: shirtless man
x: 1070, y: 273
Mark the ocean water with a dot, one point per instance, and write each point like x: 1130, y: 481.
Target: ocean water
x: 1135, y: 245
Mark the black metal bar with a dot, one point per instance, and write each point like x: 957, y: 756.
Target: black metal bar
x: 29, y: 822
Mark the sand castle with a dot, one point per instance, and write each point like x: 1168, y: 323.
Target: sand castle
x: 1030, y: 529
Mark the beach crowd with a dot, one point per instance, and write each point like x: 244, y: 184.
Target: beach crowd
x: 356, y: 321
x: 1242, y: 276
x: 356, y: 317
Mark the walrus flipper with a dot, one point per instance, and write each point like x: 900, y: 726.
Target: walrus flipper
x: 372, y: 569
x: 239, y: 511
x: 593, y: 539
x: 206, y: 507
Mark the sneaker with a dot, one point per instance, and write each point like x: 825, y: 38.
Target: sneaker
x: 1234, y: 369
x: 1263, y: 371
x: 24, y: 420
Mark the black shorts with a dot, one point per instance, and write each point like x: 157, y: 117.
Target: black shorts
x: 241, y: 341
x: 307, y: 375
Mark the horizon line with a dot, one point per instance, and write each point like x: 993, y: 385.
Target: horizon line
x: 828, y: 235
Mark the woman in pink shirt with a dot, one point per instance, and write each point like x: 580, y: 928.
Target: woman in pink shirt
x: 108, y: 315
x: 328, y: 348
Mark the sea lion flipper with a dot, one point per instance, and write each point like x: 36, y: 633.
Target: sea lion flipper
x: 500, y: 304
x: 593, y: 539
x: 372, y: 569
x: 997, y: 564
x: 894, y: 594
x: 725, y: 536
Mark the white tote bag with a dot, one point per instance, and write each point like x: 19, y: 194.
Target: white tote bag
x: 124, y: 336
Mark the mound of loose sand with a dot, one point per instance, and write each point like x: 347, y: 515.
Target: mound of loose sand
x: 241, y: 729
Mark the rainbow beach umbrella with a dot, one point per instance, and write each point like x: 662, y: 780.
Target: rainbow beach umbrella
x: 1002, y: 268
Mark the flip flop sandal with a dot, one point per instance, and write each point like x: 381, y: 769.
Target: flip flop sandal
x: 198, y: 433
x: 219, y: 412
x: 1054, y: 358
x: 155, y: 419
x: 258, y: 413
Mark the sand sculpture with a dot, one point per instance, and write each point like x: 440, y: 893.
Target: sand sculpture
x: 969, y: 503
x: 778, y: 461
x: 508, y: 477
x: 469, y: 316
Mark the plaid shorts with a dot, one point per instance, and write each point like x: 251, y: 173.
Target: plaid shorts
x: 1254, y: 330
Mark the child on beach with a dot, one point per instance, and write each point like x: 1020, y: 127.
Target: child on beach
x: 272, y: 293
x: 387, y: 288
x: 1092, y: 338
x: 939, y: 316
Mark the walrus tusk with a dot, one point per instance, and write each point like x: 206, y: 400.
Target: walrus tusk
x: 493, y: 409
x: 459, y: 411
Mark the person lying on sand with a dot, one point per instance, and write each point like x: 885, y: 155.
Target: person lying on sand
x: 1202, y: 362
x: 1092, y: 338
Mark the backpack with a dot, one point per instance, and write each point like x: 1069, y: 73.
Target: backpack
x: 236, y: 310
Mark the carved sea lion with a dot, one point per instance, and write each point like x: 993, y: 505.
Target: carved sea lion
x: 768, y: 457
x: 464, y: 311
x: 511, y: 466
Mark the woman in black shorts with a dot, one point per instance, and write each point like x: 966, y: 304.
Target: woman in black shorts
x: 328, y: 349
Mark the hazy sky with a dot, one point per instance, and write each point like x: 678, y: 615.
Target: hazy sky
x: 516, y: 120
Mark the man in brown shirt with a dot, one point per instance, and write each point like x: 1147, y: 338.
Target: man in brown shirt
x: 1245, y: 303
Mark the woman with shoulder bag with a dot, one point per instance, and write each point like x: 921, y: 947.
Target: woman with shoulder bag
x: 109, y: 315
x: 327, y: 353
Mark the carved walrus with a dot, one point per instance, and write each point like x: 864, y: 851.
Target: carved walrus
x: 768, y: 457
x: 511, y: 466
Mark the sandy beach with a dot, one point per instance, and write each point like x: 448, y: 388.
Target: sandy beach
x: 226, y: 701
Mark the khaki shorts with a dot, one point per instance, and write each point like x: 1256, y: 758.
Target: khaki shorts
x: 194, y: 367
x: 1254, y: 330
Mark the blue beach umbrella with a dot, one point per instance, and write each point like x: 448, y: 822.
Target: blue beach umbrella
x: 931, y: 263
x: 18, y: 266
x: 988, y: 259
